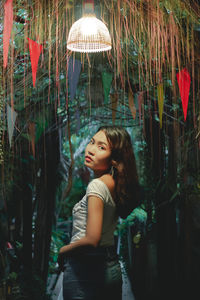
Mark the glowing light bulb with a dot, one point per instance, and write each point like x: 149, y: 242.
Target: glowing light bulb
x: 89, y: 34
x: 89, y: 27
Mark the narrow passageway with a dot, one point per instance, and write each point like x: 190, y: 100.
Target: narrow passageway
x: 127, y: 293
x: 53, y: 101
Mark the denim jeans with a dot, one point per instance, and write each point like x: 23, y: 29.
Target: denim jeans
x: 92, y: 276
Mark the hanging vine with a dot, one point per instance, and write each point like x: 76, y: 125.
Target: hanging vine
x: 1, y: 119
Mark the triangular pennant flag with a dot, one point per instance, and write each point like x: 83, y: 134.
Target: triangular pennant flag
x: 35, y: 50
x: 8, y: 23
x: 74, y: 68
x: 160, y: 101
x: 131, y: 104
x: 107, y: 80
x: 11, y: 117
x: 183, y: 78
x: 31, y: 128
x: 114, y: 100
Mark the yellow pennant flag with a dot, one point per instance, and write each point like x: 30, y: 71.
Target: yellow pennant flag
x: 114, y: 100
x: 131, y: 104
x: 160, y: 101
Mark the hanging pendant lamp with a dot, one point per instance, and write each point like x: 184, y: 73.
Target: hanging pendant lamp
x: 89, y: 34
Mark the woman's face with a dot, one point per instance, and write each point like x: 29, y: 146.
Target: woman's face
x: 98, y: 154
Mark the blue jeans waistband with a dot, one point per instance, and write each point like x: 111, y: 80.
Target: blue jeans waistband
x: 106, y: 252
x: 103, y: 250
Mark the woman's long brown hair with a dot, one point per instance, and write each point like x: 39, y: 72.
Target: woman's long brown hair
x: 127, y: 189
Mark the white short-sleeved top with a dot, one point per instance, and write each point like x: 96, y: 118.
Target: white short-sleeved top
x: 96, y: 188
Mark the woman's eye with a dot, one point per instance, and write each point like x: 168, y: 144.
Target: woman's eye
x: 101, y: 147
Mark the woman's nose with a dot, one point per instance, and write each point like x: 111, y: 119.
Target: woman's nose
x: 91, y: 149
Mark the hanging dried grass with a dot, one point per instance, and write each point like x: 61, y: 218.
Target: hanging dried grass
x: 151, y: 41
x: 1, y: 119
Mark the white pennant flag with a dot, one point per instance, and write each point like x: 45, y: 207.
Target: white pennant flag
x: 11, y: 117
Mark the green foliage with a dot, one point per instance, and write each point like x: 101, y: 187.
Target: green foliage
x: 57, y: 241
x: 32, y: 287
x: 137, y: 221
x: 138, y: 215
x: 39, y: 104
x: 17, y: 282
x: 76, y: 193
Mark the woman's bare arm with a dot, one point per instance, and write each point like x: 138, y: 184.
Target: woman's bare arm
x: 93, y: 230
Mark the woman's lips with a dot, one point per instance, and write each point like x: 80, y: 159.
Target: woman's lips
x: 88, y: 158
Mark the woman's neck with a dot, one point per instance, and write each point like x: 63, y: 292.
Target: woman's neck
x: 100, y: 173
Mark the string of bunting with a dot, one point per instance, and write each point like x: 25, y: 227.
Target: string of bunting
x: 183, y: 76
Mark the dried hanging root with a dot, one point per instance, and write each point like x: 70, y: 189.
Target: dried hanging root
x: 1, y: 122
x: 69, y: 185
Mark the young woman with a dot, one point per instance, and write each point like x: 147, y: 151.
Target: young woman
x: 91, y: 269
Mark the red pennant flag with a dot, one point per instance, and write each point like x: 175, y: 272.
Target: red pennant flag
x: 8, y: 23
x: 183, y: 78
x: 35, y: 50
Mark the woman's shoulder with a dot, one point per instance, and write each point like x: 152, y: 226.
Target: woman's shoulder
x: 109, y: 181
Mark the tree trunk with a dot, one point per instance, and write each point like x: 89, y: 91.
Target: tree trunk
x: 46, y: 203
x: 26, y: 196
x: 167, y: 241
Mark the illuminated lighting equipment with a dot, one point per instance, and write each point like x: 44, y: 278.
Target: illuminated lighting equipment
x: 89, y: 34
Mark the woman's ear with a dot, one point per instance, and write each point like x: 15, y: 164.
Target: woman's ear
x: 117, y: 165
x: 114, y: 163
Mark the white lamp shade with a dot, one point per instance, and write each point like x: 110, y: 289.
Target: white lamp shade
x: 89, y: 34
